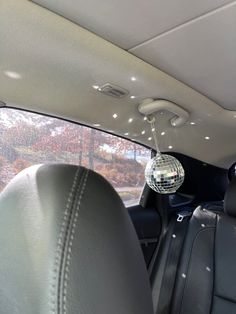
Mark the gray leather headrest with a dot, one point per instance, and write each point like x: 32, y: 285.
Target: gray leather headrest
x: 232, y: 172
x: 230, y: 198
x: 68, y: 246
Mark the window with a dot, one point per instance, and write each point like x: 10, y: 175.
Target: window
x: 29, y: 138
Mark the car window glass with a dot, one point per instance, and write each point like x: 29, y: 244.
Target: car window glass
x: 29, y: 138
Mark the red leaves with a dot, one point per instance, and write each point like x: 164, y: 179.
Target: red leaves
x: 27, y: 139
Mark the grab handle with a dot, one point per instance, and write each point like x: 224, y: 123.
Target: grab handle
x: 150, y: 106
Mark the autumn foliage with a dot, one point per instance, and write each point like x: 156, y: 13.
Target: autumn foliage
x: 28, y: 139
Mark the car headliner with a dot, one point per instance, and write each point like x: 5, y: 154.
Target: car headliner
x: 58, y: 62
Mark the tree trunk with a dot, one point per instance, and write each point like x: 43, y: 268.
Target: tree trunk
x: 91, y: 149
x: 81, y: 146
x: 135, y: 153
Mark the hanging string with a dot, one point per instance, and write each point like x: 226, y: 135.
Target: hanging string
x: 151, y: 120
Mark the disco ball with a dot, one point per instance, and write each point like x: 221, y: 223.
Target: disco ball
x: 164, y: 174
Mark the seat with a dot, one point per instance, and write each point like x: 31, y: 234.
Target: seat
x: 68, y: 246
x: 206, y: 276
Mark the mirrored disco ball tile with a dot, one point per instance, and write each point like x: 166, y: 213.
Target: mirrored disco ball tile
x: 164, y: 174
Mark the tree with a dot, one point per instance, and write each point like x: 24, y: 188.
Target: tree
x: 81, y: 146
x: 28, y: 138
x: 91, y: 149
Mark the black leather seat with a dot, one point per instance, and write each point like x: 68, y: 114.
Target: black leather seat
x: 206, y: 277
x: 68, y: 246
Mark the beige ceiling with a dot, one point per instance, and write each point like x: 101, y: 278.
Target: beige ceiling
x: 59, y: 62
x: 194, y: 41
x: 201, y: 53
x: 131, y: 22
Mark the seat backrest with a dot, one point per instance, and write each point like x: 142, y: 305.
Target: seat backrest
x: 207, y: 273
x: 68, y: 246
x: 194, y: 281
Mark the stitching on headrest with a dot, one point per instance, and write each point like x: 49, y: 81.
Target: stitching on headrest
x: 70, y: 245
x: 60, y: 242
